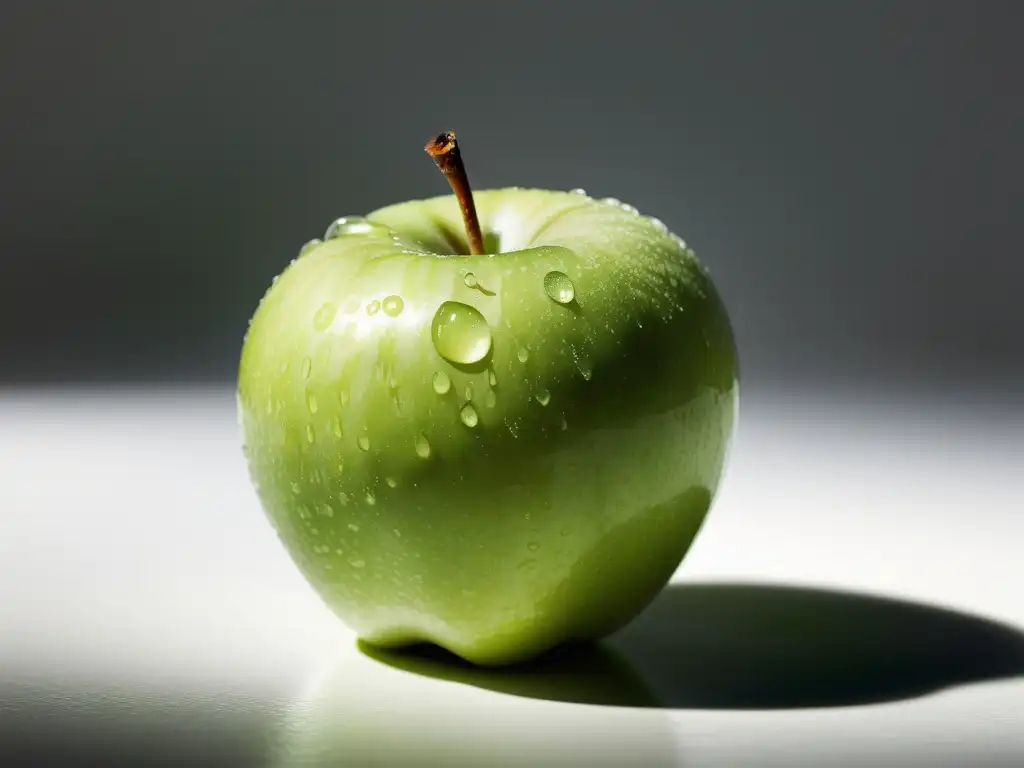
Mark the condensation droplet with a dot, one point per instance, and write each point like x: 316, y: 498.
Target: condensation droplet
x: 582, y: 364
x: 470, y: 280
x: 310, y: 433
x: 422, y: 446
x: 363, y: 441
x: 492, y: 378
x: 559, y: 287
x: 373, y: 308
x: 469, y: 415
x: 352, y: 225
x: 309, y: 246
x: 307, y: 367
x: 441, y: 383
x: 311, y: 401
x: 336, y: 426
x: 578, y: 191
x: 460, y: 333
x: 543, y: 397
x: 469, y: 391
x: 492, y: 399
x: 370, y: 498
x: 357, y: 563
x: 325, y: 316
x: 533, y: 546
x: 393, y: 306
x: 328, y: 510
x: 392, y: 483
x: 523, y: 354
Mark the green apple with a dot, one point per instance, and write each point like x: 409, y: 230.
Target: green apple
x: 500, y: 452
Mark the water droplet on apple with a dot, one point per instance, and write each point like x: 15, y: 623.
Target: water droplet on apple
x: 343, y: 397
x: 564, y: 425
x: 612, y: 201
x: 393, y: 306
x: 533, y: 546
x: 328, y: 510
x: 565, y: 531
x: 658, y: 224
x: 442, y: 383
x: 460, y: 333
x: 309, y: 246
x: 527, y: 565
x: 296, y: 489
x: 469, y: 391
x: 422, y: 446
x: 325, y: 316
x: 354, y: 527
x: 307, y: 366
x: 543, y: 397
x: 363, y: 441
x: 559, y: 287
x: 629, y: 208
x: 373, y: 308
x: 679, y: 241
x: 397, y: 533
x: 351, y: 225
x: 492, y: 399
x: 470, y: 280
x: 310, y: 433
x: 469, y: 415
x: 492, y: 378
x: 582, y: 363
x: 578, y: 191
x: 523, y: 354
x: 311, y: 401
x: 357, y: 563
x: 370, y: 498
x: 336, y: 426
x: 392, y: 483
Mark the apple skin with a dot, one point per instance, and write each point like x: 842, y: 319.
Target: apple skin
x: 601, y: 428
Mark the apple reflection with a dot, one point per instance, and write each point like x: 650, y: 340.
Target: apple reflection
x: 374, y: 708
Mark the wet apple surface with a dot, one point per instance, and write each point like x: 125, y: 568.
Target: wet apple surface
x: 493, y: 452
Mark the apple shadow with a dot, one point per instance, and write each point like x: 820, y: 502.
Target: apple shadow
x: 751, y: 646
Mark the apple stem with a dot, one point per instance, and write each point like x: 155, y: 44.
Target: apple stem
x: 444, y: 150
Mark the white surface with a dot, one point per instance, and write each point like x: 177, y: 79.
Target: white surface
x: 133, y: 555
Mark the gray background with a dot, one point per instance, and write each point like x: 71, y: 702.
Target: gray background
x: 850, y: 171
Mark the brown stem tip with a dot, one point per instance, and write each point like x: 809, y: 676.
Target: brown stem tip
x: 444, y: 150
